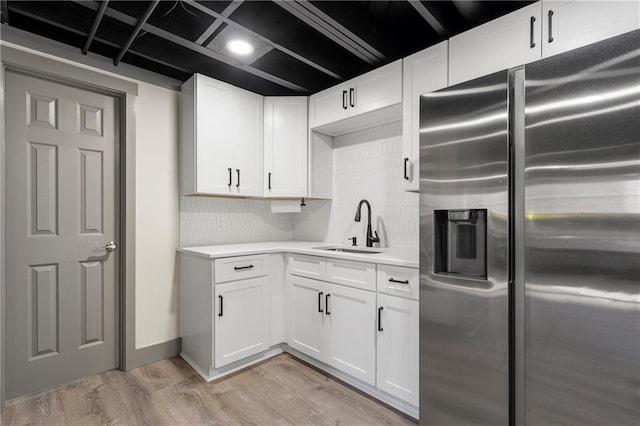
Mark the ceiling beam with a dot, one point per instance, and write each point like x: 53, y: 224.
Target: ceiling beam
x: 260, y: 37
x: 143, y: 20
x: 188, y: 44
x: 98, y: 39
x: 330, y: 28
x: 217, y: 22
x: 4, y: 12
x: 428, y: 16
x: 94, y: 27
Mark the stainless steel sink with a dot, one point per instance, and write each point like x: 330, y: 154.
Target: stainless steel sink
x: 348, y: 250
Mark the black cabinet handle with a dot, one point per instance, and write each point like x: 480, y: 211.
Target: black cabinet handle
x: 238, y: 184
x: 221, y: 301
x: 380, y: 318
x: 326, y: 304
x: 406, y: 161
x: 320, y: 302
x: 352, y: 97
x: 532, y: 42
x: 550, y: 15
x: 393, y: 280
x: 230, y: 177
x: 242, y: 268
x: 344, y: 99
x: 269, y: 179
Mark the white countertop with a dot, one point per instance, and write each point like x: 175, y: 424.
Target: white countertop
x: 388, y: 256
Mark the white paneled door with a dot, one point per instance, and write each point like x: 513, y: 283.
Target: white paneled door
x: 61, y: 293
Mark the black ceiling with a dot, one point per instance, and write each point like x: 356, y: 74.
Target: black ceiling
x: 301, y: 46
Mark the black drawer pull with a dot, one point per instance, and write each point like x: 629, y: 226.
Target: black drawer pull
x: 242, y: 268
x: 380, y: 318
x: 269, y: 181
x: 550, y: 14
x: 221, y: 301
x: 326, y: 304
x: 230, y: 177
x: 352, y: 97
x: 238, y: 184
x: 344, y: 99
x: 320, y: 302
x: 393, y: 280
x: 532, y: 43
x: 406, y: 161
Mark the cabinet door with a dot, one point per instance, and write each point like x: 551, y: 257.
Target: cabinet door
x: 571, y: 24
x: 285, y: 146
x: 307, y: 302
x: 376, y: 89
x: 241, y: 320
x: 350, y: 339
x: 423, y: 72
x: 397, y: 347
x: 213, y: 136
x: 329, y: 105
x: 247, y: 142
x: 508, y: 41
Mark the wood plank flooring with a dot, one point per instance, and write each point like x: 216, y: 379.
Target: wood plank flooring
x: 280, y: 391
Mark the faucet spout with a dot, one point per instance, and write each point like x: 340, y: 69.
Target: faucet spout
x: 370, y: 238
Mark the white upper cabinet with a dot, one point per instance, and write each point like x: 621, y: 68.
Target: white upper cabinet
x: 247, y: 142
x: 568, y: 25
x: 365, y: 100
x: 423, y: 72
x: 221, y: 139
x: 329, y: 106
x: 508, y: 41
x: 376, y: 89
x: 285, y: 146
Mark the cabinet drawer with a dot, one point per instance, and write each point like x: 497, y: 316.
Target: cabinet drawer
x: 398, y: 281
x: 307, y: 266
x: 240, y: 268
x: 354, y: 274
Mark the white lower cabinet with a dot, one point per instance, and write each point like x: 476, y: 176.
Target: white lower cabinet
x: 398, y: 347
x: 334, y: 324
x: 241, y: 320
x: 350, y: 331
x: 307, y: 317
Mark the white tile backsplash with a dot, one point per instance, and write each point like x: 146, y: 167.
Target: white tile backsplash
x: 367, y: 164
x: 240, y: 221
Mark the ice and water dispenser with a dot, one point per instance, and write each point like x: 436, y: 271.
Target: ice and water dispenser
x: 461, y: 243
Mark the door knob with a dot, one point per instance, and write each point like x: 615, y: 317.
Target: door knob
x: 111, y: 246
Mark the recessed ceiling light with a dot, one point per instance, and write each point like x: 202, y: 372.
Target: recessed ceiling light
x: 239, y: 47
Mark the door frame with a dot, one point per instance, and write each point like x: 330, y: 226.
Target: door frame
x: 125, y: 92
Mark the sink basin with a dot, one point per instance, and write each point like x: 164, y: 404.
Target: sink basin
x: 348, y: 250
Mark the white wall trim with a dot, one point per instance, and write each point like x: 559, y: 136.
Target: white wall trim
x: 24, y: 40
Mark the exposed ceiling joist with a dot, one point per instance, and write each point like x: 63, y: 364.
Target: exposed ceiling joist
x: 4, y: 15
x: 217, y: 22
x: 428, y: 16
x: 260, y: 37
x: 330, y: 28
x: 143, y: 20
x: 94, y: 27
x: 105, y: 42
x: 188, y: 44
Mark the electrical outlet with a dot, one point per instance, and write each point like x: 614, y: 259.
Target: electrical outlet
x: 219, y: 224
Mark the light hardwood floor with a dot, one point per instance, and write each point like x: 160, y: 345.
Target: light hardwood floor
x: 279, y: 391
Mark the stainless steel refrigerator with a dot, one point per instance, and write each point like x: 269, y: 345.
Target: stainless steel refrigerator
x: 530, y: 243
